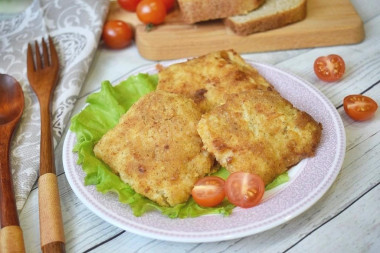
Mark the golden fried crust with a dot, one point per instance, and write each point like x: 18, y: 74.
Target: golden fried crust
x: 259, y: 132
x: 207, y: 79
x: 156, y: 149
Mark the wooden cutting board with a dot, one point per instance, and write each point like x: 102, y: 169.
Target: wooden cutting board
x: 328, y: 23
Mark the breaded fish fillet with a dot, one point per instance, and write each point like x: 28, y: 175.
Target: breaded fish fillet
x: 156, y: 149
x: 259, y: 132
x: 207, y: 79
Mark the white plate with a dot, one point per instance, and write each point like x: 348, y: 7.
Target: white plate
x: 309, y: 180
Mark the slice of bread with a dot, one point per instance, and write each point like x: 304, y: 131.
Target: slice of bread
x: 273, y: 14
x: 201, y: 10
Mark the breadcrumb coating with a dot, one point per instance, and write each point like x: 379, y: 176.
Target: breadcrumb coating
x: 155, y: 148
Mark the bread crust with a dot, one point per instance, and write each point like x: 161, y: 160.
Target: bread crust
x: 269, y: 22
x: 200, y: 10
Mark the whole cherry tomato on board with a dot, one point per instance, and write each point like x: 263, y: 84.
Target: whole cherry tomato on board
x: 208, y: 191
x: 329, y: 68
x: 117, y: 34
x: 151, y: 11
x: 359, y: 107
x: 244, y: 189
x: 129, y: 5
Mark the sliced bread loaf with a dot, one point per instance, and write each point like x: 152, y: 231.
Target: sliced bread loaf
x: 273, y: 14
x: 201, y: 10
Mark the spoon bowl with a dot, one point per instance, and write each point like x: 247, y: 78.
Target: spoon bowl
x: 11, y: 99
x: 11, y: 108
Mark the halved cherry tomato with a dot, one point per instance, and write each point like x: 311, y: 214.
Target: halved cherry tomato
x: 117, y: 34
x: 169, y: 4
x: 129, y: 5
x: 329, y: 68
x: 208, y: 191
x: 359, y: 107
x: 244, y: 189
x: 151, y: 11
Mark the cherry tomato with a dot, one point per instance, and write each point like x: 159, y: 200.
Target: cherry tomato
x: 117, y: 34
x: 359, y: 107
x: 129, y: 5
x: 329, y: 68
x: 169, y: 4
x: 151, y: 11
x: 208, y: 191
x: 244, y: 189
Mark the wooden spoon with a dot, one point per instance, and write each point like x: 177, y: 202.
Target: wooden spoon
x: 11, y: 108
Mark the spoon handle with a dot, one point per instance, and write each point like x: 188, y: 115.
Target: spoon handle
x: 11, y: 240
x: 8, y: 208
x: 11, y: 237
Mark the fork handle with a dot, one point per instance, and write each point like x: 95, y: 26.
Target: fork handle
x: 11, y: 240
x: 51, y: 225
x: 47, y: 164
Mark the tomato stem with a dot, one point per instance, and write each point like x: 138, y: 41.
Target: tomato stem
x: 149, y: 27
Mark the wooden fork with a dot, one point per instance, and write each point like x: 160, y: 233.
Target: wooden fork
x: 43, y: 76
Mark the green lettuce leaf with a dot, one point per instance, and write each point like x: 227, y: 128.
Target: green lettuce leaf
x: 100, y: 115
x: 283, y: 178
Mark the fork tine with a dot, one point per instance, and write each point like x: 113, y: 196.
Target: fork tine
x: 29, y: 59
x: 38, y: 57
x: 53, y: 53
x: 45, y: 53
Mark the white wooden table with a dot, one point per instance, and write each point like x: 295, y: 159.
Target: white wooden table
x: 345, y: 219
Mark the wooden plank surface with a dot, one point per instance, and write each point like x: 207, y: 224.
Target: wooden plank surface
x: 328, y: 22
